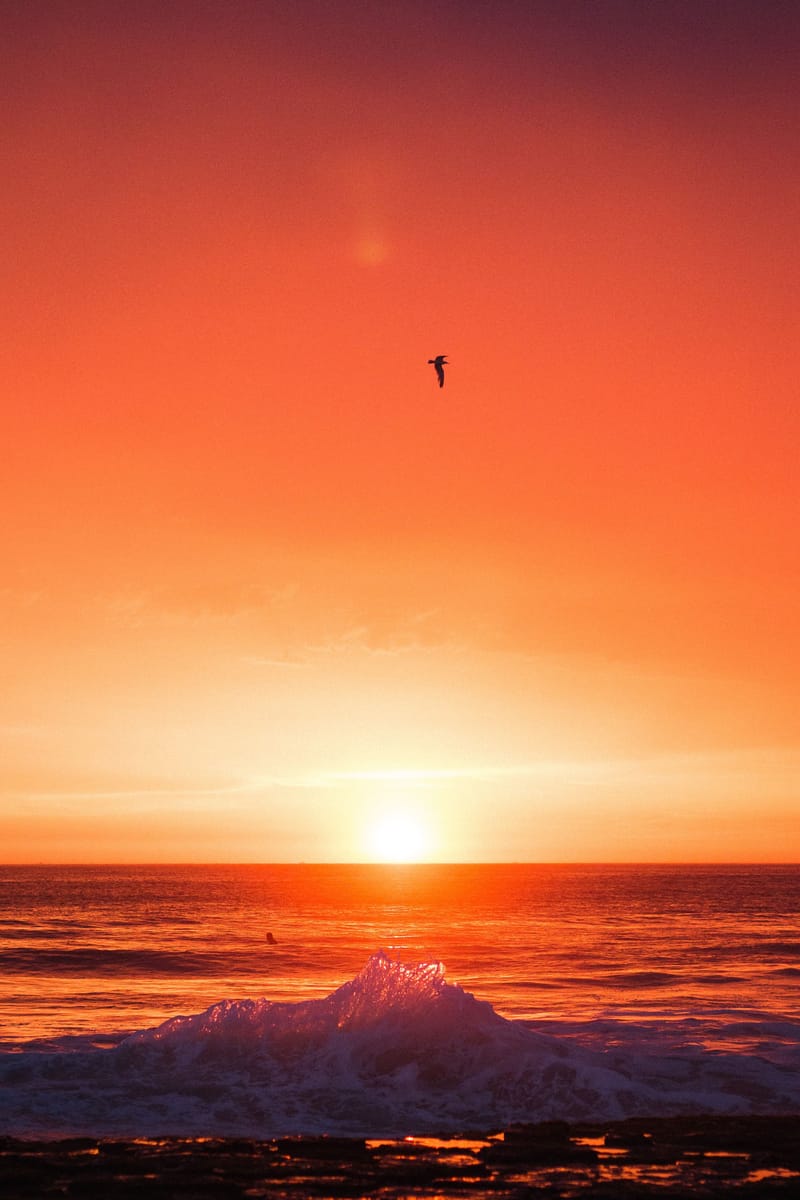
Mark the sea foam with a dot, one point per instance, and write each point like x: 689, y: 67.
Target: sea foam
x: 395, y: 1050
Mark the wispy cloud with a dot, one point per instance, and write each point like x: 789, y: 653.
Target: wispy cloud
x: 724, y: 766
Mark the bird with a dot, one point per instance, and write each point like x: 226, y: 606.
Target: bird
x: 440, y: 362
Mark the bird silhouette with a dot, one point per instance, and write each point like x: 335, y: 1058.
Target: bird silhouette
x: 439, y: 363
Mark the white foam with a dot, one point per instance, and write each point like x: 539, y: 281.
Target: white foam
x: 396, y: 1050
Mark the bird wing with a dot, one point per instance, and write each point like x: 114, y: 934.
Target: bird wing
x: 440, y: 373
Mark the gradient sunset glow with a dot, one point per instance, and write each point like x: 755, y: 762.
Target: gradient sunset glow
x: 262, y: 580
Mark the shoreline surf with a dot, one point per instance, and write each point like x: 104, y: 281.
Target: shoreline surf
x: 395, y: 1051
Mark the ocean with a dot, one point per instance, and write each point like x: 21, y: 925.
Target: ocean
x: 392, y: 998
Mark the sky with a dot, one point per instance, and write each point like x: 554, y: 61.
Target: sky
x: 267, y: 593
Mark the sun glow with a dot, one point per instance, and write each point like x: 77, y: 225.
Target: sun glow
x: 398, y: 836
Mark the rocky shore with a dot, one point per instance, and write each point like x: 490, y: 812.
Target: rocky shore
x: 749, y: 1157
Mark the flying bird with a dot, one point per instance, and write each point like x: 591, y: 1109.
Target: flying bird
x: 439, y: 363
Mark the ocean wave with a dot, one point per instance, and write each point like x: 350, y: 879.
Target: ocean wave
x: 758, y: 951
x: 716, y: 979
x: 625, y: 979
x: 395, y: 1050
x: 28, y: 933
x: 100, y: 961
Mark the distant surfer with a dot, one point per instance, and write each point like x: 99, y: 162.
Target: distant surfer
x: 439, y: 363
x: 271, y: 940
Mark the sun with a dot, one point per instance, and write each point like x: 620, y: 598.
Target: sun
x: 398, y: 835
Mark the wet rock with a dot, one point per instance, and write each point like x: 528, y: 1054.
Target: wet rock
x: 326, y: 1148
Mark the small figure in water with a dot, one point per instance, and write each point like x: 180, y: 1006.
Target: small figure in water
x: 271, y: 940
x: 440, y: 362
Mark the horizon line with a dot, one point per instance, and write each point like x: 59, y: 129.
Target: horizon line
x: 609, y: 862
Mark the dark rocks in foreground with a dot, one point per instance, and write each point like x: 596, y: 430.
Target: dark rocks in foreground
x: 749, y: 1157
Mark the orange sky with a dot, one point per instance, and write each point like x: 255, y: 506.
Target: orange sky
x: 262, y: 580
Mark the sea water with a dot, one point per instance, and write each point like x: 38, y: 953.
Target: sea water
x: 393, y: 998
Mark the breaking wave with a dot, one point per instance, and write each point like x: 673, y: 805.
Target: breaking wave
x: 393, y: 1051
